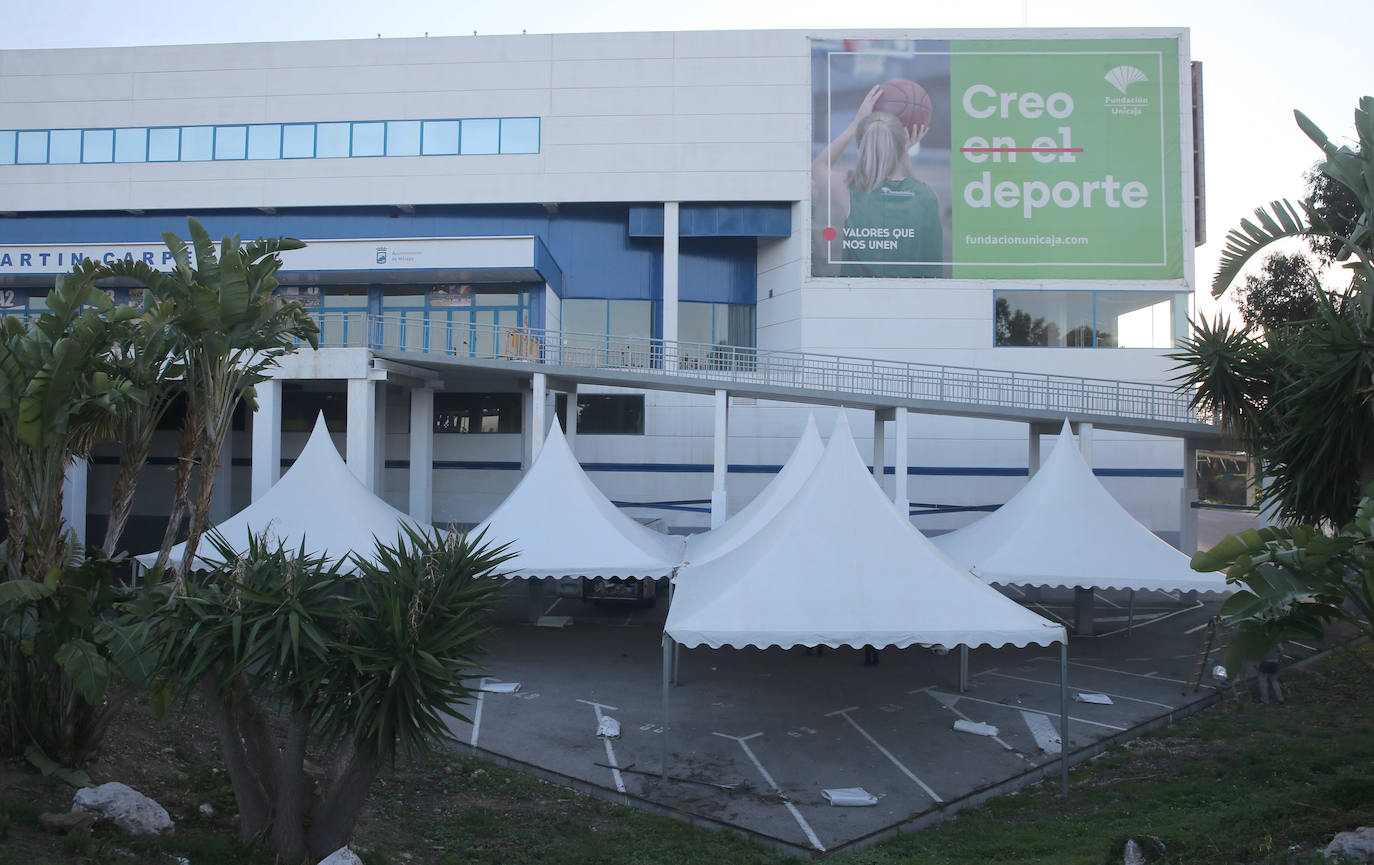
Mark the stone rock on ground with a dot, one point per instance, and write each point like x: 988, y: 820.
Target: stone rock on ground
x: 72, y: 821
x: 131, y: 812
x: 1358, y: 845
x: 342, y: 856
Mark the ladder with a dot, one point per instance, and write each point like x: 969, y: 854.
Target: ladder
x: 1211, y: 639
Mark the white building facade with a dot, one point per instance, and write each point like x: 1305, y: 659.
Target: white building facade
x: 462, y: 196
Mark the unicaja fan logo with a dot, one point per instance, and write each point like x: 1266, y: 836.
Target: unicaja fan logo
x: 1122, y: 77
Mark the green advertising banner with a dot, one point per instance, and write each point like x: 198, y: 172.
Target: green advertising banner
x: 1002, y: 159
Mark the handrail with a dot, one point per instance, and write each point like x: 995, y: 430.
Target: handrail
x: 414, y: 332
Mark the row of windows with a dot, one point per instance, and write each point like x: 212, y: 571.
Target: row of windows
x: 597, y: 414
x: 484, y: 135
x: 1090, y: 319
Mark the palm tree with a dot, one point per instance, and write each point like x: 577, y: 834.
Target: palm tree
x: 230, y: 329
x: 1299, y: 398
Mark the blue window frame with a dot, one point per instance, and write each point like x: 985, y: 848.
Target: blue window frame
x: 369, y: 139
x: 330, y: 140
x: 197, y: 143
x: 131, y: 145
x: 481, y: 136
x: 264, y: 141
x: 164, y: 145
x: 298, y: 141
x: 97, y: 145
x: 231, y: 142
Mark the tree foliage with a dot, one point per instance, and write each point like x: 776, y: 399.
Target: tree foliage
x: 360, y: 667
x: 1285, y: 292
x: 1294, y: 581
x: 1299, y: 396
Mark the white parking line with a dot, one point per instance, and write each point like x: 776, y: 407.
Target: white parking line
x: 1155, y: 620
x: 801, y: 821
x: 1042, y: 728
x: 1055, y: 685
x: 477, y: 712
x: 610, y: 752
x: 1024, y: 709
x: 844, y: 713
x: 1152, y: 676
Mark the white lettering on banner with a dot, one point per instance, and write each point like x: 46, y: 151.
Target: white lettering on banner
x: 1032, y: 195
x: 1030, y: 105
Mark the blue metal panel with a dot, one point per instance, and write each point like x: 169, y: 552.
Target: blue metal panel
x: 715, y: 220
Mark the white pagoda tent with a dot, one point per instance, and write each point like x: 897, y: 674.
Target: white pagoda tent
x: 838, y: 565
x: 560, y: 525
x: 1064, y: 529
x: 318, y: 501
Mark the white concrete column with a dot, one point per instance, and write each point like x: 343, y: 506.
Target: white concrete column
x: 539, y: 418
x: 1187, y: 516
x: 361, y: 449
x: 1085, y: 442
x: 719, y: 504
x: 267, y: 437
x: 1033, y: 450
x: 1269, y: 512
x: 422, y: 454
x: 570, y: 428
x: 379, y: 456
x: 75, y: 486
x: 670, y: 282
x: 879, y: 447
x: 901, y: 462
x: 222, y: 498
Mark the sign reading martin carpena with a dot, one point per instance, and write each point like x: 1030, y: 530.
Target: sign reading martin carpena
x: 1005, y: 158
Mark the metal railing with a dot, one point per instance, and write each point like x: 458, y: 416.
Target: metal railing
x: 1016, y: 390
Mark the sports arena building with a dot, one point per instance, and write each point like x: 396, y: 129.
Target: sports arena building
x: 696, y: 238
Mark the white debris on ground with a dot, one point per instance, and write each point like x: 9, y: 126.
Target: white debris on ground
x: 1099, y: 699
x: 608, y: 727
x: 977, y: 728
x: 849, y: 797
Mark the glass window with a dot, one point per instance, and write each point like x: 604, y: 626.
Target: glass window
x: 439, y: 138
x: 298, y: 141
x: 264, y: 141
x: 369, y: 139
x: 164, y: 145
x: 477, y: 412
x: 605, y: 414
x: 32, y: 147
x: 481, y: 136
x: 7, y: 140
x: 1044, y: 318
x: 520, y: 135
x: 197, y: 143
x: 131, y: 145
x: 64, y: 146
x: 231, y: 142
x: 403, y: 138
x: 97, y: 145
x: 331, y: 140
x: 1138, y: 319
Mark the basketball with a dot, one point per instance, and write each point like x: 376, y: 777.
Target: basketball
x: 906, y: 100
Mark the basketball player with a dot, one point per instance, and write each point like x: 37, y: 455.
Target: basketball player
x: 891, y: 219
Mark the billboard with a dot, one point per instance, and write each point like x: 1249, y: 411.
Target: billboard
x: 996, y: 158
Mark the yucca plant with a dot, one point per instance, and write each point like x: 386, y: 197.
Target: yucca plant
x: 358, y: 668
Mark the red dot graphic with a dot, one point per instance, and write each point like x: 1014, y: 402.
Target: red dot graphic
x: 829, y: 233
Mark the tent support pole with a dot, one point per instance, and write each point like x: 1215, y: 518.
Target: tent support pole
x: 1130, y: 612
x: 667, y: 671
x: 1063, y: 718
x: 963, y: 667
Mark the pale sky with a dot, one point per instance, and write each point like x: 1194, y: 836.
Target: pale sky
x: 1261, y: 59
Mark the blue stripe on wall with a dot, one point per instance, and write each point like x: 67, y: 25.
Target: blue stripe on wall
x: 707, y: 468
